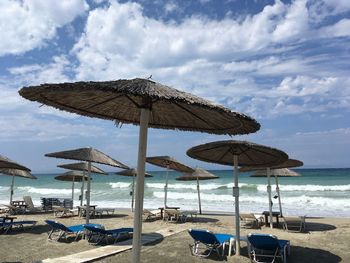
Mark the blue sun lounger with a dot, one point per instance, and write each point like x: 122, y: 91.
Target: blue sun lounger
x: 210, y: 241
x: 101, y: 234
x: 263, y: 246
x: 63, y: 230
x: 7, y: 226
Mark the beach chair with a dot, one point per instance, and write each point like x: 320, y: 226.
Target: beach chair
x: 265, y: 246
x: 249, y: 220
x: 7, y: 226
x: 14, y: 210
x: 100, y: 211
x: 149, y: 215
x: 101, y: 234
x: 209, y: 242
x: 30, y: 206
x: 64, y: 231
x: 294, y: 223
x: 60, y: 211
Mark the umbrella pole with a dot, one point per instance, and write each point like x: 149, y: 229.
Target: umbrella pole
x: 11, y: 191
x: 269, y: 195
x: 166, y: 186
x: 279, y: 195
x: 199, y: 197
x: 133, y: 193
x: 236, y: 195
x: 88, y: 194
x: 82, y: 190
x: 140, y: 183
x: 73, y: 191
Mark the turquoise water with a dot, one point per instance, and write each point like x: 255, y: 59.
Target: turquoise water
x: 318, y: 192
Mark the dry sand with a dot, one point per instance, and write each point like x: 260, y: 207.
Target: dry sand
x: 327, y: 240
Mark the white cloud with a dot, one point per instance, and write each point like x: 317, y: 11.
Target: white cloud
x: 339, y: 29
x: 27, y: 24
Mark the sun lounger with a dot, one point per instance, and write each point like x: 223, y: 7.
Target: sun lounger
x: 13, y: 210
x: 7, y: 226
x: 209, y: 240
x: 175, y: 215
x: 149, y: 215
x: 294, y: 223
x: 30, y: 206
x: 60, y: 211
x: 264, y: 246
x: 100, y: 211
x: 101, y: 234
x: 249, y: 220
x: 64, y: 231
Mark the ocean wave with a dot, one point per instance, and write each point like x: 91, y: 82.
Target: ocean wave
x: 47, y: 191
x: 119, y: 185
x: 339, y: 203
x: 4, y: 188
x: 308, y: 188
x: 193, y: 186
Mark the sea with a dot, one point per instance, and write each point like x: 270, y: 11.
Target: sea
x: 317, y: 192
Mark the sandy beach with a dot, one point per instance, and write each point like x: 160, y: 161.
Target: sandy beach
x: 326, y: 239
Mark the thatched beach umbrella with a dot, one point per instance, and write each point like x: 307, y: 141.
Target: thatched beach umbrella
x: 15, y: 172
x: 237, y: 153
x: 8, y: 163
x: 72, y: 176
x: 132, y: 172
x: 148, y: 104
x: 280, y: 170
x: 197, y: 175
x: 169, y: 163
x: 82, y: 166
x: 89, y: 155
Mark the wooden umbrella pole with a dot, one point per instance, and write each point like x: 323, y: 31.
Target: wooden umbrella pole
x: 12, y: 185
x: 236, y: 195
x: 140, y: 183
x: 166, y: 186
x: 88, y: 194
x: 82, y: 189
x: 73, y: 190
x: 133, y: 193
x: 268, y: 171
x: 278, y: 194
x: 199, y: 197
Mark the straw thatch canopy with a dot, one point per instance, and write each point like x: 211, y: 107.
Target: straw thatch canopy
x: 81, y: 167
x: 198, y: 174
x: 121, y: 101
x: 287, y: 164
x: 17, y: 172
x: 131, y: 172
x: 250, y: 154
x: 169, y: 162
x: 88, y: 154
x: 71, y: 176
x: 8, y: 163
x: 283, y: 172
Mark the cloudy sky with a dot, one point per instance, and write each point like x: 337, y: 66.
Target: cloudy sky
x: 284, y: 63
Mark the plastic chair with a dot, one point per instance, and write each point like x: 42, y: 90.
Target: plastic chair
x: 102, y: 234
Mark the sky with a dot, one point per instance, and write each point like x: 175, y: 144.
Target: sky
x: 284, y: 63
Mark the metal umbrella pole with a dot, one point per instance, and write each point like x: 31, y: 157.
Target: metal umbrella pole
x: 82, y: 189
x: 278, y: 194
x: 199, y: 197
x: 166, y: 187
x: 88, y: 194
x: 11, y: 191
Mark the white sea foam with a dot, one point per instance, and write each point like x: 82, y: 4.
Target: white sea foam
x: 192, y: 186
x: 4, y: 188
x: 119, y: 185
x: 308, y: 188
x: 47, y: 191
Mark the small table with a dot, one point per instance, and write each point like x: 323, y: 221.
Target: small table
x: 168, y: 207
x: 232, y: 243
x: 267, y: 215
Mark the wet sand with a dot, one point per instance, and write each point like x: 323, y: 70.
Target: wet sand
x: 326, y: 240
